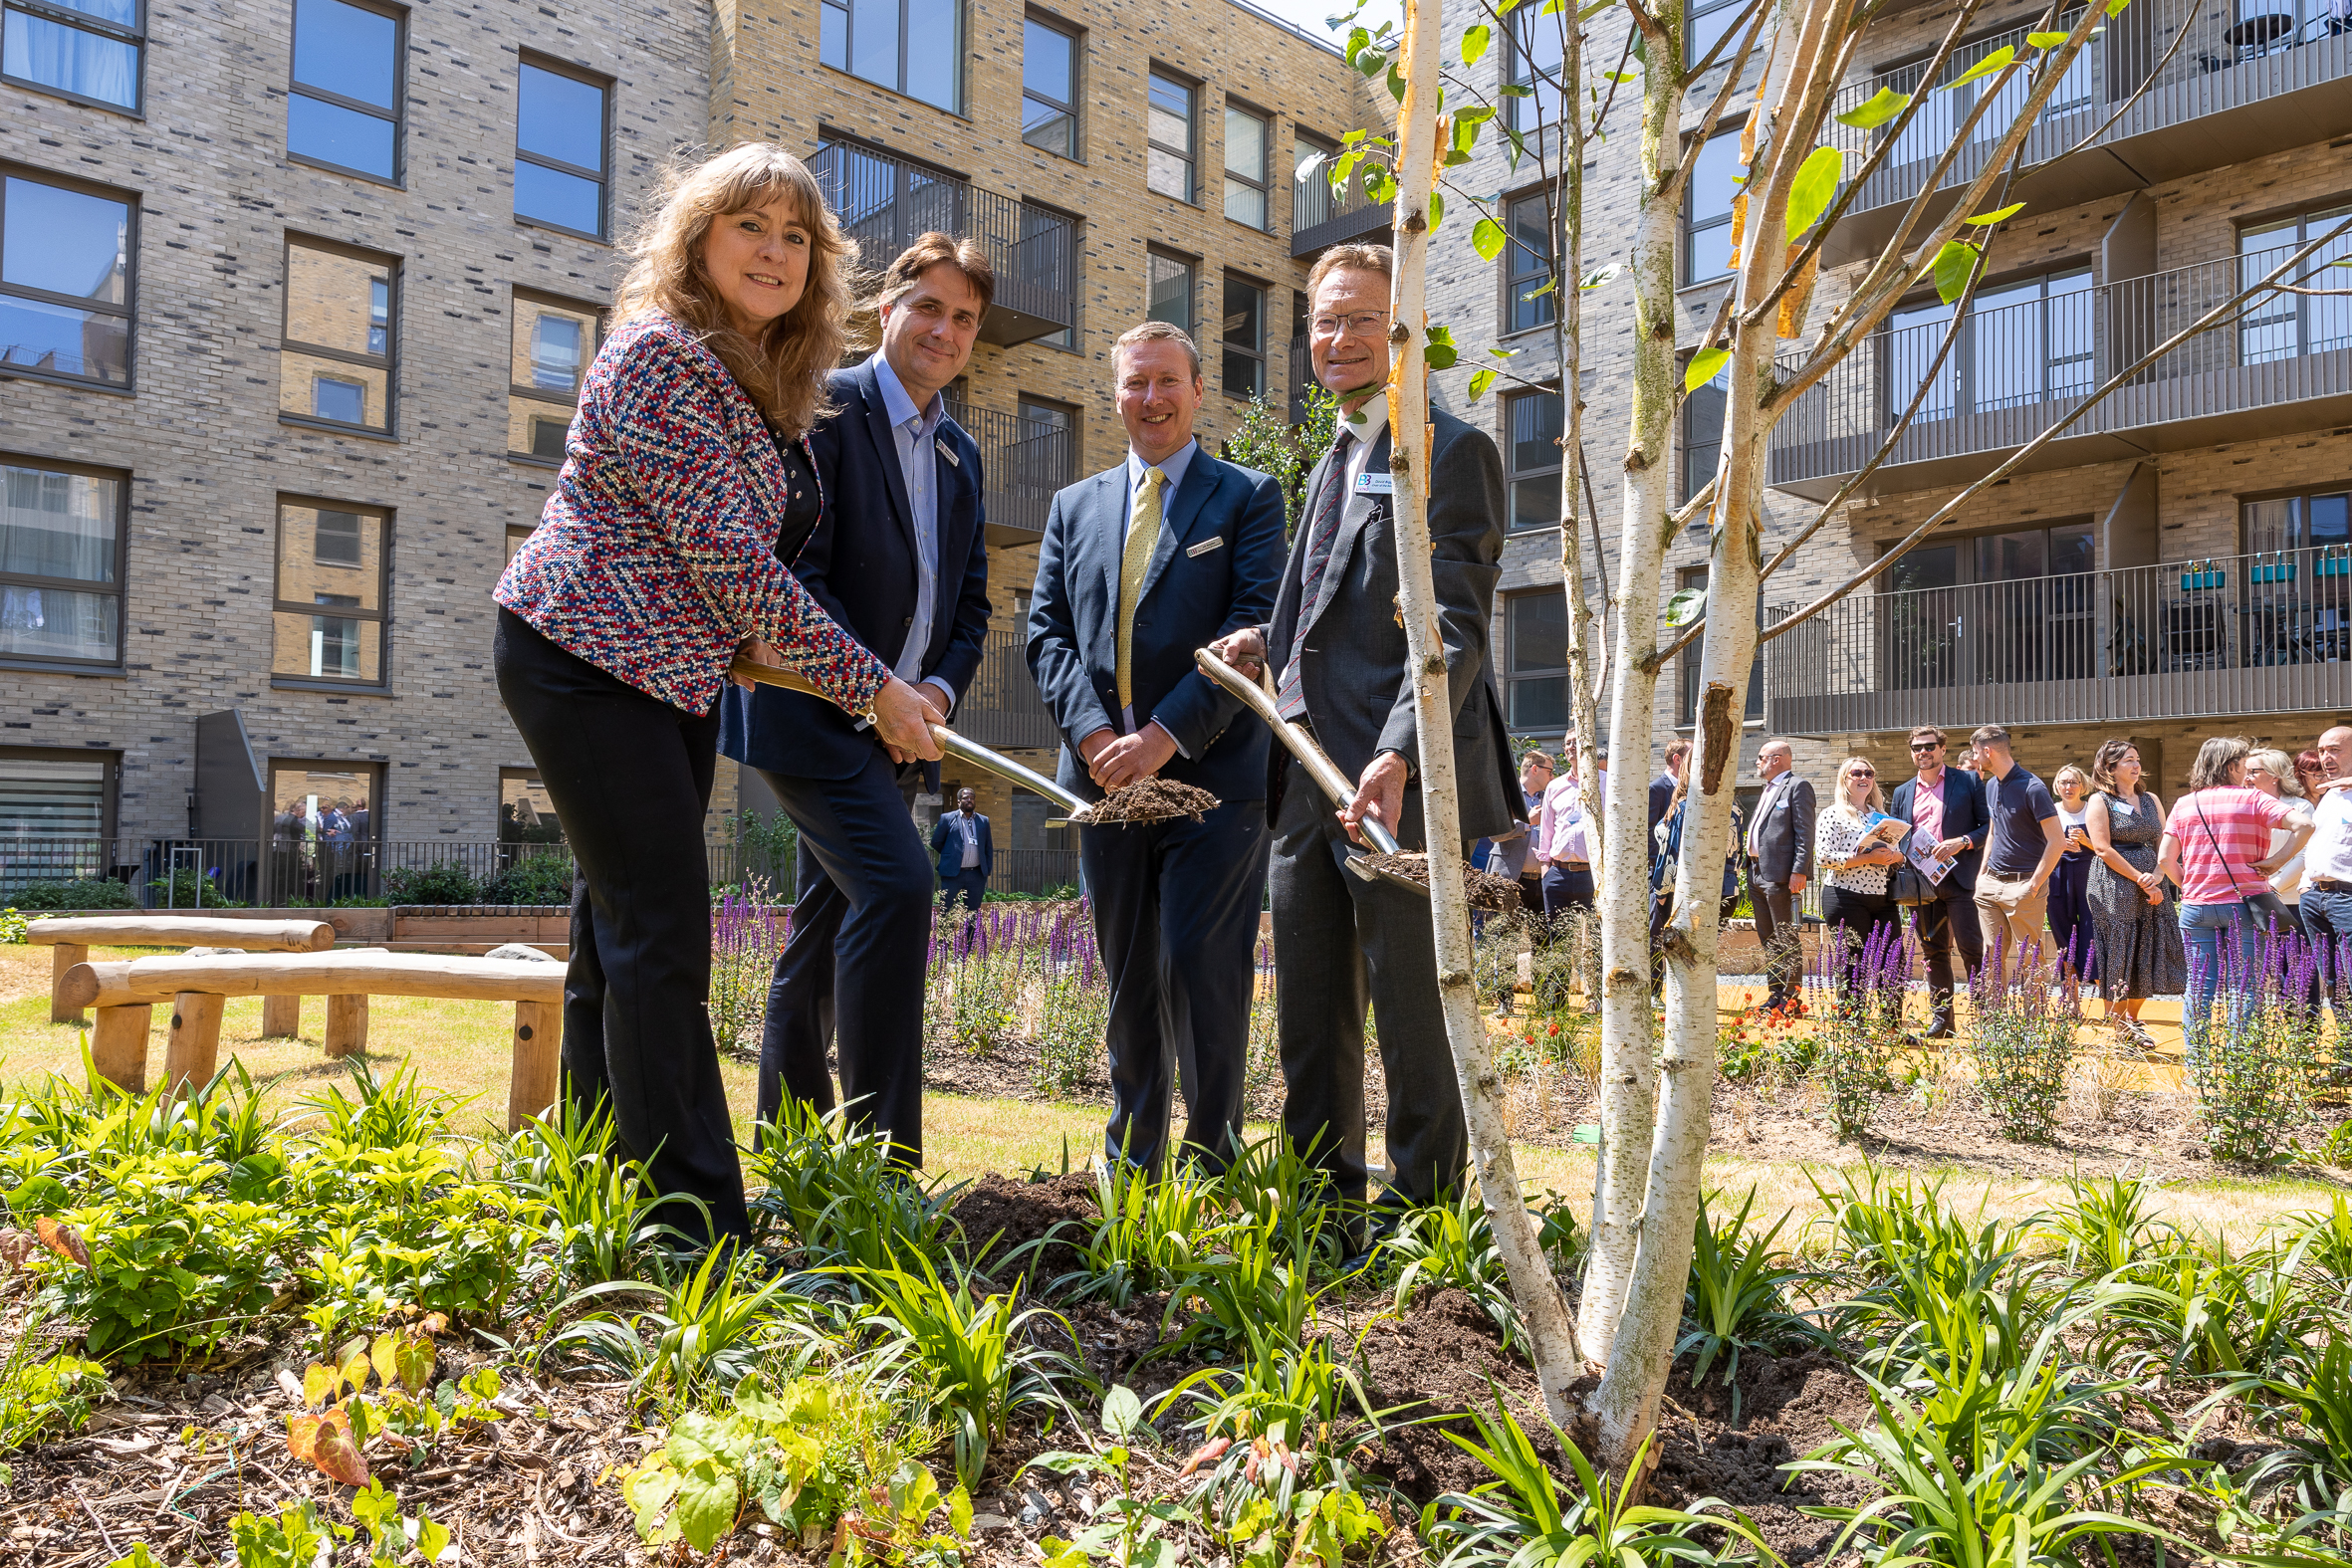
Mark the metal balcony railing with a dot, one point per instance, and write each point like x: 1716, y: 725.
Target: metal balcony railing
x: 886, y: 203
x: 2267, y: 632
x: 2238, y: 52
x: 1002, y: 709
x: 1022, y: 462
x: 1321, y: 217
x: 2018, y: 367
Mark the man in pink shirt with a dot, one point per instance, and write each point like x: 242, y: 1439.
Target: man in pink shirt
x: 1945, y: 810
x: 1564, y: 843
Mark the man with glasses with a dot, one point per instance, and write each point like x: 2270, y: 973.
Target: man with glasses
x: 1336, y: 650
x: 1945, y: 810
x: 2326, y: 908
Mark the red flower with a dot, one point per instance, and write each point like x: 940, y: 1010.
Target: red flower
x: 1556, y: 1028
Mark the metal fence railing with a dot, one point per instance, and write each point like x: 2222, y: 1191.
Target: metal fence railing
x: 1002, y: 709
x: 2265, y: 633
x: 2028, y: 354
x: 1022, y: 462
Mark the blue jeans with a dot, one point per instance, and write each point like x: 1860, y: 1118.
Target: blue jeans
x: 2221, y: 950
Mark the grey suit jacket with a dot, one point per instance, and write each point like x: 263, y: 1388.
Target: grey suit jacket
x: 1351, y: 640
x: 1785, y: 829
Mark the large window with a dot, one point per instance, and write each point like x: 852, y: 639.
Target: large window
x: 1526, y: 265
x: 330, y: 593
x: 2009, y: 607
x: 1244, y: 337
x: 2282, y: 326
x: 1689, y: 578
x: 559, y: 149
x: 60, y: 562
x: 1702, y: 432
x: 916, y: 47
x: 56, y: 816
x: 1531, y: 420
x: 2023, y: 343
x: 1248, y: 143
x: 87, y: 49
x: 345, y: 110
x: 1707, y: 219
x: 1169, y: 131
x: 1532, y: 66
x: 554, y: 344
x: 1048, y: 89
x: 65, y: 280
x: 1706, y: 22
x: 1535, y: 659
x: 336, y: 364
x: 1171, y: 289
x: 2297, y: 523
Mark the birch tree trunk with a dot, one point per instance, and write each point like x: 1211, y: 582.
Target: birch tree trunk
x: 1550, y: 1332
x: 1628, y: 1062
x: 1586, y: 628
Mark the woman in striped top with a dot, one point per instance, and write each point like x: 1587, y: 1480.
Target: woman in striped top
x: 2216, y: 848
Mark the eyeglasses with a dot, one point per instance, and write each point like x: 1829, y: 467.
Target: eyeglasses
x: 1363, y: 324
x: 1863, y: 773
x: 1918, y: 746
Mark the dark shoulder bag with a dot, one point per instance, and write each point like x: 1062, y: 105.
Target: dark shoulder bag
x: 2267, y: 904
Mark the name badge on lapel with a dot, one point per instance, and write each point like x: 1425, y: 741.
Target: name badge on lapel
x: 1368, y: 483
x: 944, y: 451
x: 1213, y: 542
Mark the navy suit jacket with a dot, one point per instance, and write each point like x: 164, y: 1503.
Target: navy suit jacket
x: 1219, y: 557
x: 1965, y: 815
x: 860, y: 565
x: 948, y: 845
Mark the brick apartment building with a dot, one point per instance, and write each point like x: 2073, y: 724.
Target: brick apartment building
x: 2178, y: 564
x: 264, y: 270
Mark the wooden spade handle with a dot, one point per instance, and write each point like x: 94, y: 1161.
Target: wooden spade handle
x: 1301, y: 745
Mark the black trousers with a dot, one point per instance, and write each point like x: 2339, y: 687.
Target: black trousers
x: 1942, y: 924
x: 1341, y: 944
x: 969, y: 886
x: 1176, y: 920
x: 1851, y: 917
x: 629, y: 777
x: 1777, y: 932
x: 861, y: 933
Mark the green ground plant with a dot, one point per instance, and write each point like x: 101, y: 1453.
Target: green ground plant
x: 1738, y: 1298
x: 2021, y: 1039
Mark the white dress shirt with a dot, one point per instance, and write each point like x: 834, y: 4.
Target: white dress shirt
x: 917, y: 431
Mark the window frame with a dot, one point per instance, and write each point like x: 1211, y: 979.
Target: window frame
x: 1263, y: 185
x: 1691, y: 53
x: 1304, y: 141
x: 1963, y: 371
x: 1506, y: 409
x: 84, y: 22
x: 281, y: 605
x: 1720, y: 385
x: 1190, y: 153
x: 1073, y: 37
x: 129, y: 309
x: 516, y: 294
x: 958, y: 51
x: 1549, y: 305
x: 1515, y: 73
x: 1692, y: 228
x: 603, y: 177
x: 1259, y: 355
x: 109, y: 758
x: 1510, y: 674
x: 121, y: 586
x: 391, y: 355
x: 1192, y: 285
x: 399, y: 180
x: 1689, y: 664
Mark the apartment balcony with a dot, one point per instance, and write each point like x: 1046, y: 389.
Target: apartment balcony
x: 2252, y: 77
x: 1022, y: 462
x: 2283, y: 363
x: 885, y: 202
x: 1321, y: 218
x: 1002, y: 709
x: 2265, y: 633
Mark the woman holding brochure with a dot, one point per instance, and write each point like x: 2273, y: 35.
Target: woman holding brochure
x: 2071, y: 932
x: 1853, y: 845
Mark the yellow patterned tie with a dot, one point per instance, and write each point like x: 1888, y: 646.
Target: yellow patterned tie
x: 1143, y: 536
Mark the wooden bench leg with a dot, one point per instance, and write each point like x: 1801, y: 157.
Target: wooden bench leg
x: 347, y: 1026
x: 280, y: 1017
x: 539, y: 1037
x: 66, y: 956
x: 193, y: 1054
x: 119, y: 1046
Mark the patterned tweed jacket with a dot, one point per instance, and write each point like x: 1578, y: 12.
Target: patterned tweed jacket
x: 655, y: 556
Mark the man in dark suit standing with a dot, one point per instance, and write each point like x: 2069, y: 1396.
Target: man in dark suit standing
x: 898, y: 560
x: 967, y: 853
x: 1337, y: 647
x: 1140, y: 566
x: 1779, y: 863
x: 1662, y: 788
x: 1945, y: 810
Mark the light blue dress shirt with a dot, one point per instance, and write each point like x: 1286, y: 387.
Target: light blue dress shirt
x: 1171, y: 477
x: 917, y: 431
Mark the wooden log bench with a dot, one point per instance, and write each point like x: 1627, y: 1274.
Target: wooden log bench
x: 126, y: 991
x: 71, y: 937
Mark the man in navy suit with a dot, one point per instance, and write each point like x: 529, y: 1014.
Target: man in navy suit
x: 1140, y: 566
x: 966, y: 851
x: 898, y: 560
x: 1946, y: 809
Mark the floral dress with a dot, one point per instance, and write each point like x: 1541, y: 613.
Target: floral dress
x: 2138, y: 943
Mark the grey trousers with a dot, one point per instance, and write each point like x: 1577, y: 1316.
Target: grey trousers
x: 1341, y: 944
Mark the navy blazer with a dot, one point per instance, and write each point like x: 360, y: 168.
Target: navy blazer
x: 948, y: 845
x: 860, y: 565
x: 1219, y: 557
x: 1965, y: 815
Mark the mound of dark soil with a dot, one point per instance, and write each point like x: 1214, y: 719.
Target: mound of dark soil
x: 1436, y: 1361
x: 999, y: 1216
x: 1787, y: 1406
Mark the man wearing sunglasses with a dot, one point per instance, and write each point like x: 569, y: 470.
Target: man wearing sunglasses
x: 1946, y: 809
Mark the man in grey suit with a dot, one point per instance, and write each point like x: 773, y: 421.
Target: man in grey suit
x: 1337, y: 647
x: 1779, y: 863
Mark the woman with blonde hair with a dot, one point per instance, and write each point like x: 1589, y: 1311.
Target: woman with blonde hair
x: 1855, y: 898
x: 2069, y: 901
x: 687, y: 487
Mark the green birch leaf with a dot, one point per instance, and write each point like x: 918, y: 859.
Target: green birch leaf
x: 1815, y: 189
x: 1686, y: 606
x: 1480, y: 380
x: 1999, y: 59
x: 1437, y: 207
x: 2115, y: 7
x: 1396, y: 84
x: 1987, y: 219
x: 1439, y: 352
x: 1475, y: 41
x: 1876, y: 110
x: 1517, y: 90
x: 1954, y: 264
x: 1594, y: 9
x: 1380, y: 184
x: 2047, y: 40
x: 1487, y: 238
x: 1703, y: 367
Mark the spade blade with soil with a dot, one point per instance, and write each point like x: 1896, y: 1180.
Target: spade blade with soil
x: 1485, y: 890
x: 1129, y: 805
